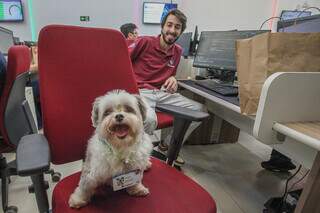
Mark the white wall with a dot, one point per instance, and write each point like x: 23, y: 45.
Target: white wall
x: 103, y: 13
x: 207, y: 14
x: 226, y: 14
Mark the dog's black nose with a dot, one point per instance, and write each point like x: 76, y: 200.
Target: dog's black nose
x: 119, y: 117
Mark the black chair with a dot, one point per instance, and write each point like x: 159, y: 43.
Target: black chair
x: 16, y: 121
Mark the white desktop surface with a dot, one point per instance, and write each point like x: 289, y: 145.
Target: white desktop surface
x: 227, y: 111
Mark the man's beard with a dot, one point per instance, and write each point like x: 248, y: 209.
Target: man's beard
x: 164, y: 35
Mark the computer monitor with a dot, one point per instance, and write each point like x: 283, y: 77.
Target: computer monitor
x: 185, y: 41
x: 292, y: 14
x: 153, y: 12
x: 216, y: 49
x: 6, y: 40
x: 11, y: 10
x: 306, y: 25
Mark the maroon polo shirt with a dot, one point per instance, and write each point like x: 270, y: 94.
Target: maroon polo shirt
x: 130, y: 41
x: 152, y: 65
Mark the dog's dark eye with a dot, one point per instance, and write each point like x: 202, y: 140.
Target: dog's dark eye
x: 129, y: 109
x: 106, y: 113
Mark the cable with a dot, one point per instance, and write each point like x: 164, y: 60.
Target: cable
x: 270, y: 19
x: 308, y: 8
x: 295, y: 22
x: 291, y: 187
x: 299, y: 180
x: 286, y: 188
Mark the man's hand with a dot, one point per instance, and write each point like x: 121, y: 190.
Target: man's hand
x: 171, y: 85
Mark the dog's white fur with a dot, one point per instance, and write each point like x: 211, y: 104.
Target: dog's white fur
x: 118, y: 145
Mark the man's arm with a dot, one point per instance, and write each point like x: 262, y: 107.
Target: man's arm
x: 136, y: 48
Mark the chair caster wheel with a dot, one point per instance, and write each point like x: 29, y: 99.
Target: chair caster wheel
x: 11, y: 209
x: 55, y: 177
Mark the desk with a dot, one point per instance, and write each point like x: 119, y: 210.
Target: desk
x: 222, y: 108
x: 296, y: 150
x: 231, y: 113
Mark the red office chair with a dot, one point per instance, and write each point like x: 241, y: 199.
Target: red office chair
x: 14, y: 124
x: 13, y: 121
x: 16, y: 121
x: 76, y: 65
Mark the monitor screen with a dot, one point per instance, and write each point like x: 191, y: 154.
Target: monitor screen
x: 303, y: 25
x: 216, y: 49
x: 184, y: 41
x: 6, y: 40
x: 291, y: 14
x: 153, y: 12
x: 11, y: 10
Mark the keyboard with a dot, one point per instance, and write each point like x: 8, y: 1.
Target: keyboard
x: 223, y: 89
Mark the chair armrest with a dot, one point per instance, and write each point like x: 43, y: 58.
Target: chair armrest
x: 33, y: 155
x: 182, y: 112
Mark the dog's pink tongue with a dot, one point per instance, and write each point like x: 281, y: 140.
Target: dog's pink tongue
x: 121, y: 131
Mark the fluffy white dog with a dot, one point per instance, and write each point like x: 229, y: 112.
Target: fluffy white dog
x: 119, y: 145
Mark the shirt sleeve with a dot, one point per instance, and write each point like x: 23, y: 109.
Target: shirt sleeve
x: 136, y: 48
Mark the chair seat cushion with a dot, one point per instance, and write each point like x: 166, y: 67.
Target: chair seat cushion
x: 170, y: 192
x: 164, y: 120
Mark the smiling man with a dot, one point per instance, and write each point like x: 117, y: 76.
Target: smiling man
x: 155, y: 61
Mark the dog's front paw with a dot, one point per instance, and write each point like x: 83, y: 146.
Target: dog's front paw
x: 149, y: 164
x: 76, y: 201
x: 138, y: 190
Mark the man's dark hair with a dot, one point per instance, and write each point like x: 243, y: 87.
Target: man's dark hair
x: 177, y: 13
x: 128, y: 28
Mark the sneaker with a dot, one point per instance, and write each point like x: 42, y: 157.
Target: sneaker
x: 179, y: 161
x: 163, y: 147
x: 276, y: 165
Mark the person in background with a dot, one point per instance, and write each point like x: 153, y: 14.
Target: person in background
x: 130, y: 31
x: 3, y: 70
x: 34, y: 83
x: 155, y: 60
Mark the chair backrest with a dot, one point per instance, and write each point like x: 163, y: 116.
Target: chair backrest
x: 14, y: 123
x: 76, y: 65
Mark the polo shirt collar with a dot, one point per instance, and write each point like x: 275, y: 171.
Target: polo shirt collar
x: 168, y: 52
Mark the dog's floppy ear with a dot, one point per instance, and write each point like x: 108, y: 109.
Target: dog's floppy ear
x: 142, y: 106
x: 95, y: 112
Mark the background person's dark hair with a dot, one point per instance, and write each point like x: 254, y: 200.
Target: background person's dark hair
x: 177, y: 13
x: 128, y: 28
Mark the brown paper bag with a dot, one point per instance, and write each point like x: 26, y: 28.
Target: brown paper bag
x: 262, y: 55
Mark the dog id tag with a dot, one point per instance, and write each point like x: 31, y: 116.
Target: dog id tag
x: 126, y: 180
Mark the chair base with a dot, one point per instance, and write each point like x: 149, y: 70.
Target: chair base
x: 6, y: 170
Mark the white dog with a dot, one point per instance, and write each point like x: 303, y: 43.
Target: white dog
x: 118, y: 146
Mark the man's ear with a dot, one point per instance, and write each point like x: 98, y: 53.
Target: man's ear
x: 142, y: 106
x: 95, y: 112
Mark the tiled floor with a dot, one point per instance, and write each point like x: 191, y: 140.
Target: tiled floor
x: 230, y: 172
